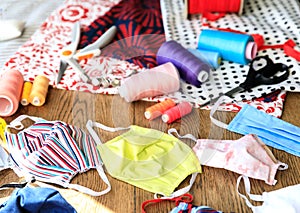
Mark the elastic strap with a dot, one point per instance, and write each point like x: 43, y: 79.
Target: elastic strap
x: 181, y: 191
x: 77, y: 187
x: 247, y: 189
x: 90, y: 124
x: 186, y: 198
x: 187, y: 136
x: 282, y: 166
x: 185, y: 189
x: 16, y: 123
x: 214, y: 109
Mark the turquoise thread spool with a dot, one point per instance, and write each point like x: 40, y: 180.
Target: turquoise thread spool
x: 213, y: 58
x: 235, y: 47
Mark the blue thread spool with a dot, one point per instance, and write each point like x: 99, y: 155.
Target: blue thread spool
x: 235, y: 47
x: 190, y: 68
x: 213, y: 58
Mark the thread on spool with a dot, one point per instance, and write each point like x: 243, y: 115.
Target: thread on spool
x: 191, y: 69
x: 39, y: 90
x: 176, y: 112
x: 219, y: 6
x: 26, y: 93
x: 235, y: 47
x: 11, y: 84
x: 158, y: 109
x: 211, y: 57
x: 160, y: 80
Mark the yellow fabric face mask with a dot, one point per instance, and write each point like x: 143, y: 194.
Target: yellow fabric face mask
x: 148, y: 158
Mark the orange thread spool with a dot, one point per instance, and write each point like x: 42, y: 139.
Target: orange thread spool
x: 39, y: 90
x: 177, y: 112
x: 26, y: 93
x: 158, y: 109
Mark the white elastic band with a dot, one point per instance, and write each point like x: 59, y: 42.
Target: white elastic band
x: 181, y: 191
x: 187, y: 136
x: 214, y: 109
x: 16, y: 123
x: 247, y: 189
x: 90, y: 124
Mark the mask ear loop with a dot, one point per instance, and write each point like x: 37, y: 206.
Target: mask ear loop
x: 247, y: 189
x: 187, y: 136
x: 215, y: 108
x: 17, y: 123
x: 90, y: 124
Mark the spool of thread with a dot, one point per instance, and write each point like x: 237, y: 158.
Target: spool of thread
x: 218, y: 6
x: 11, y: 84
x: 176, y: 112
x: 191, y: 69
x: 160, y: 80
x: 235, y: 47
x: 158, y: 109
x: 26, y: 93
x: 39, y: 90
x: 213, y: 58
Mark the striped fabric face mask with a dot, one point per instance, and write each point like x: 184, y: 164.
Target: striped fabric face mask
x: 53, y: 152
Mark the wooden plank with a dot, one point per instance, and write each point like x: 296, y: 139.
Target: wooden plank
x: 214, y: 187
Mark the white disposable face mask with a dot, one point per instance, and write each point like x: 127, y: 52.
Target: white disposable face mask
x: 281, y: 200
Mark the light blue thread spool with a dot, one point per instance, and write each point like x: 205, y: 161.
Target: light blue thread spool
x: 213, y: 58
x: 235, y: 47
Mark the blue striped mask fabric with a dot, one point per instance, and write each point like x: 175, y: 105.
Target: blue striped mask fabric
x: 54, y: 152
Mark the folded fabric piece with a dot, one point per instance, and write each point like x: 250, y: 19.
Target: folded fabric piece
x: 36, y: 200
x: 10, y: 29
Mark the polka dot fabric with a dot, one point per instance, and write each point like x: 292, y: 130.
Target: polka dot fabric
x: 276, y: 20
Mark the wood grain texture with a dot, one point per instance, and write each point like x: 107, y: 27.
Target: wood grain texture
x: 214, y: 187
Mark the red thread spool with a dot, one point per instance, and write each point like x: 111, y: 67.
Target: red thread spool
x: 177, y: 112
x: 219, y: 6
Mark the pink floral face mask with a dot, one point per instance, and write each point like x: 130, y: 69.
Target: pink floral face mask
x: 247, y: 156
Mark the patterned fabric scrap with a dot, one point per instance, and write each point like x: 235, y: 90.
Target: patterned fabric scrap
x: 140, y: 31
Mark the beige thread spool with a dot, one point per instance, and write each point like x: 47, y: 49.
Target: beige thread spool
x: 26, y: 93
x: 39, y: 90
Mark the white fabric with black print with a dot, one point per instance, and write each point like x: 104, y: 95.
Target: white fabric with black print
x: 276, y: 20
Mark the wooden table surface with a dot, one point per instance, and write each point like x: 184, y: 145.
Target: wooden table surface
x: 214, y: 187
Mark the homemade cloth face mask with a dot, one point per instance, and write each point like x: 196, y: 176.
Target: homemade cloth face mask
x: 272, y: 131
x: 281, y: 200
x: 54, y: 152
x: 148, y: 159
x: 36, y: 200
x: 247, y: 156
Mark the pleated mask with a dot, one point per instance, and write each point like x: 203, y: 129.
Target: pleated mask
x: 148, y: 159
x: 273, y: 131
x: 53, y: 152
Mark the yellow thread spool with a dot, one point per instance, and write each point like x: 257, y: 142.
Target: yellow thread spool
x: 39, y: 90
x: 26, y: 93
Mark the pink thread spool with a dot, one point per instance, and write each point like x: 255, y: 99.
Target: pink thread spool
x: 11, y: 84
x: 160, y: 80
x: 177, y: 112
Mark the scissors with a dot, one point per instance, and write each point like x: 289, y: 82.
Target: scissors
x: 70, y: 56
x: 262, y: 71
